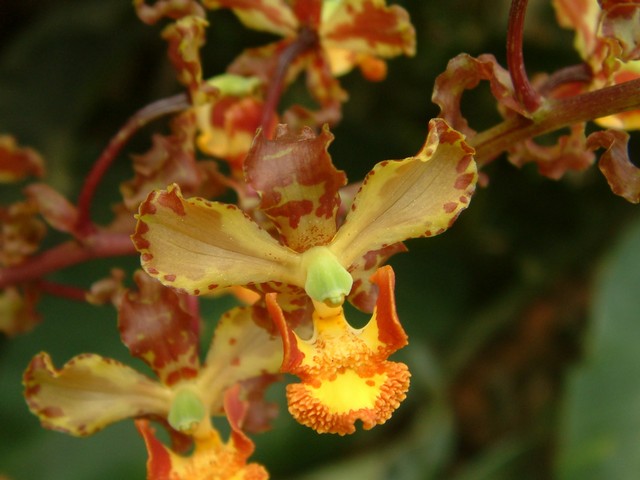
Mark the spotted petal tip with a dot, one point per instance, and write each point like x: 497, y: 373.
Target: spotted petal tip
x: 199, y: 246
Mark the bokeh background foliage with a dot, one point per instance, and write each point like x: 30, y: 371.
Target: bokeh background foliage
x: 523, y: 319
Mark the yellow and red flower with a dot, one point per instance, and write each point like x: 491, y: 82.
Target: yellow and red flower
x: 344, y: 371
x: 90, y: 391
x: 211, y: 459
x: 347, y: 34
x: 199, y: 246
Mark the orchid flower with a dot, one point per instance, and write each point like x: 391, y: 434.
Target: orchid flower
x: 91, y: 391
x: 342, y: 35
x: 199, y: 246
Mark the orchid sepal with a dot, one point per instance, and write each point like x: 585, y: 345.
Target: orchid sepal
x: 219, y: 245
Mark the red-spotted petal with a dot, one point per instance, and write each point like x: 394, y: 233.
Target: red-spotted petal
x: 228, y: 126
x: 273, y: 16
x: 364, y: 293
x: 240, y: 350
x: 419, y: 196
x: 200, y: 246
x: 185, y: 38
x: 157, y: 328
x: 368, y: 26
x: 344, y: 372
x: 89, y: 393
x: 321, y: 81
x: 298, y: 185
x: 18, y: 162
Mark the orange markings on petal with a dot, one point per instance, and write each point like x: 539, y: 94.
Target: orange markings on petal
x: 449, y: 207
x: 157, y: 327
x: 171, y: 199
x: 195, y: 244
x: 464, y: 181
x: 405, y: 197
x: 344, y: 374
x: 371, y: 27
x: 298, y: 184
x: 335, y: 404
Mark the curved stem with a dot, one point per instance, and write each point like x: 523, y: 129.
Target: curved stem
x: 99, y: 245
x: 580, y: 73
x: 84, y: 226
x: 64, y: 291
x: 306, y: 39
x: 556, y: 114
x: 525, y: 92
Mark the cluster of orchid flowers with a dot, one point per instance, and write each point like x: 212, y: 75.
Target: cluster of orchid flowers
x: 300, y: 242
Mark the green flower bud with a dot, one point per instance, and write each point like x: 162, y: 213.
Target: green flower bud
x: 234, y: 85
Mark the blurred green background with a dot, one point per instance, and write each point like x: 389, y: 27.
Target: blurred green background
x: 523, y: 318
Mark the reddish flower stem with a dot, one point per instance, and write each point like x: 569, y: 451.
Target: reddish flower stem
x: 525, y: 92
x: 306, y: 40
x: 554, y: 115
x: 99, y: 245
x: 580, y: 73
x: 84, y: 226
x: 64, y: 291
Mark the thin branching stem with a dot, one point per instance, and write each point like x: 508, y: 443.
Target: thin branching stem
x: 84, y: 225
x: 306, y: 39
x: 526, y: 94
x: 72, y: 252
x: 556, y: 114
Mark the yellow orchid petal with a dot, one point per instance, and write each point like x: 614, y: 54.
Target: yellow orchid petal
x: 369, y: 26
x: 273, y: 16
x: 199, y: 246
x: 89, y: 393
x: 419, y: 196
x: 240, y: 350
x: 344, y: 372
x: 185, y: 37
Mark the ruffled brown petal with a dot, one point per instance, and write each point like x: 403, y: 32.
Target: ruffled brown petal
x: 157, y: 328
x: 622, y: 175
x: 298, y: 185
